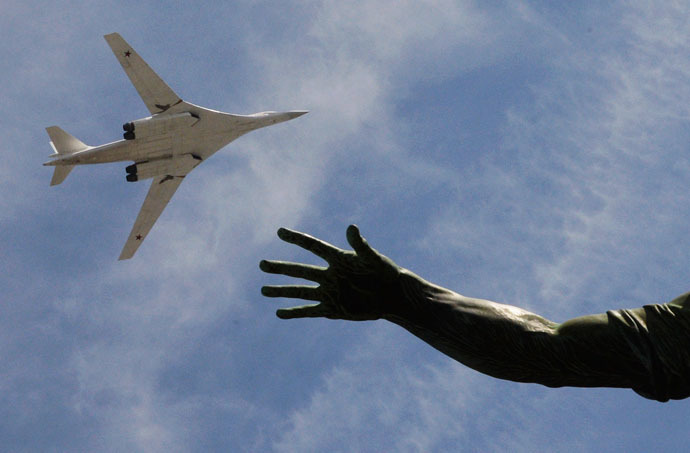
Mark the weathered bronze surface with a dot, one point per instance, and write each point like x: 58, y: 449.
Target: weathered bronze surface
x: 646, y: 349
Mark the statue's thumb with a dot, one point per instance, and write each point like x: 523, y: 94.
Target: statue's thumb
x: 358, y: 243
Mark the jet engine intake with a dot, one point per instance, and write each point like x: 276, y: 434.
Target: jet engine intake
x: 158, y: 125
x: 177, y: 166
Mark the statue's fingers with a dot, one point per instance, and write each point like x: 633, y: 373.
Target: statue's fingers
x: 318, y: 247
x: 304, y: 311
x: 360, y: 245
x: 294, y: 292
x: 305, y: 271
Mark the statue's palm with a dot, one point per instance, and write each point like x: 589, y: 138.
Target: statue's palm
x: 357, y: 285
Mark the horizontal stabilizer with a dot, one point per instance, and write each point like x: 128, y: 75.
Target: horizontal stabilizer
x: 61, y: 172
x: 64, y: 143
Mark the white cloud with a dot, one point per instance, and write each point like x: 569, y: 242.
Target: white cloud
x: 351, y: 66
x: 378, y: 400
x: 590, y: 177
x: 631, y: 157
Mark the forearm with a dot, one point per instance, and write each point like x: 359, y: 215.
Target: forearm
x: 483, y: 335
x: 510, y: 343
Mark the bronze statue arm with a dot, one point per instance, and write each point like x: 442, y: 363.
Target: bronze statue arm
x: 496, y: 339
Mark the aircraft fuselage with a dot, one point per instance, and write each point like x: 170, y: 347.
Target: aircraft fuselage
x: 194, y: 130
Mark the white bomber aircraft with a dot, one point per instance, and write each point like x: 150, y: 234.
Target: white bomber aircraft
x: 165, y: 146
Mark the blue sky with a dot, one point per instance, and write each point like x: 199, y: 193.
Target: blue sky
x: 522, y: 152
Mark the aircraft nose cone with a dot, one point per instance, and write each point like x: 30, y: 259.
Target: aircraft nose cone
x: 297, y: 113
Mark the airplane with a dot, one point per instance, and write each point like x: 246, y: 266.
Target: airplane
x: 165, y: 146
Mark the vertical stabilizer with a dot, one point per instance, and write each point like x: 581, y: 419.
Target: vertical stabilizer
x: 64, y: 143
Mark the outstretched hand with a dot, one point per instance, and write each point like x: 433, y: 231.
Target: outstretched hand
x: 357, y: 285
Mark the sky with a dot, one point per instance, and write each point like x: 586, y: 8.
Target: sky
x: 530, y: 153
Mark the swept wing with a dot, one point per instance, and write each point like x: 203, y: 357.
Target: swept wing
x: 158, y: 97
x: 161, y: 191
x: 155, y: 93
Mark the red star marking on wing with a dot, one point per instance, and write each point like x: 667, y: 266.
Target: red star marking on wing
x: 128, y: 53
x: 138, y: 237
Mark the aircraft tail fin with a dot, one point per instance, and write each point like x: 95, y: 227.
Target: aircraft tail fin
x: 60, y: 173
x: 64, y: 143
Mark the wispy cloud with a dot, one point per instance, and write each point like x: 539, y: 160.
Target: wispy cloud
x: 588, y: 179
x: 165, y: 351
x: 376, y: 400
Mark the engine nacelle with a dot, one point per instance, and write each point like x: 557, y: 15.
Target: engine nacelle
x: 177, y: 166
x: 158, y: 125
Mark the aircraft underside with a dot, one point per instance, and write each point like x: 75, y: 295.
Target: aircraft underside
x: 163, y: 147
